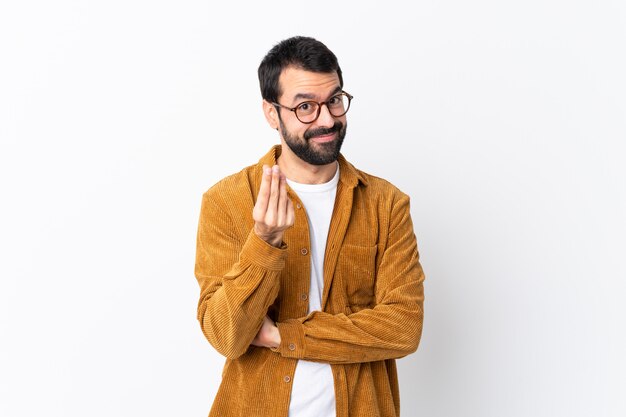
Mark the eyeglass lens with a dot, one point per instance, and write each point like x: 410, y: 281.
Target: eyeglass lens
x: 309, y: 110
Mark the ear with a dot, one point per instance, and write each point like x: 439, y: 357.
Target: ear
x: 269, y: 110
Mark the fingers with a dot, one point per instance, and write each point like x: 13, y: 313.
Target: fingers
x: 291, y: 214
x: 272, y: 206
x: 266, y: 334
x: 273, y: 211
x: 282, y: 200
x: 260, y: 208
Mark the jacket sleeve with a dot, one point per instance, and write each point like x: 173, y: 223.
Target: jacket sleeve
x: 391, y: 329
x: 238, y: 277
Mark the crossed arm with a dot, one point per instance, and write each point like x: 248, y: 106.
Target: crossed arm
x: 243, y: 283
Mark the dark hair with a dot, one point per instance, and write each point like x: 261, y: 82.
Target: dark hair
x: 299, y: 51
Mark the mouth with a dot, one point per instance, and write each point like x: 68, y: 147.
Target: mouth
x: 324, y: 134
x: 329, y: 137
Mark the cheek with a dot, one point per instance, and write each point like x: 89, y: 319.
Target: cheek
x: 293, y: 131
x: 296, y: 130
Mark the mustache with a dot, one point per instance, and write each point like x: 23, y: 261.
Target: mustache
x: 320, y: 131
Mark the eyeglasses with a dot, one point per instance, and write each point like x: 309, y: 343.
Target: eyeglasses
x: 308, y: 111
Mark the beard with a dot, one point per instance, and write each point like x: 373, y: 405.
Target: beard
x: 316, y: 153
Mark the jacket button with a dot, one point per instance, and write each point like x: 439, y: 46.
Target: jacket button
x: 292, y: 346
x: 287, y: 378
x: 303, y: 297
x: 304, y: 251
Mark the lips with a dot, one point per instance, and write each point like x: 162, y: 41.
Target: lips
x: 324, y: 134
x: 324, y: 138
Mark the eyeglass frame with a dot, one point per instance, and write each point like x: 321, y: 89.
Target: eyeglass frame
x: 319, y: 106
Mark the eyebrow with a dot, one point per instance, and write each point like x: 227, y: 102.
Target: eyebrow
x: 309, y: 96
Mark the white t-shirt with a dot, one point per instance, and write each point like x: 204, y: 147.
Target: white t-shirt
x: 313, y: 389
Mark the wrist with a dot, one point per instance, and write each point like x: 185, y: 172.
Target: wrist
x: 275, y: 240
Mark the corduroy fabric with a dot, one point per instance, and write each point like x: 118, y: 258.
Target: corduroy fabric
x: 372, y: 301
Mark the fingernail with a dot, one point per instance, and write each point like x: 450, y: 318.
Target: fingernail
x: 266, y: 170
x: 275, y: 168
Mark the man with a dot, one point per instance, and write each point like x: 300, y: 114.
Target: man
x: 308, y: 268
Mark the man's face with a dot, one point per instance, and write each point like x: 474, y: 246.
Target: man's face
x: 317, y: 143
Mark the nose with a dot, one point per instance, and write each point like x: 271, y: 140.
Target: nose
x: 325, y: 119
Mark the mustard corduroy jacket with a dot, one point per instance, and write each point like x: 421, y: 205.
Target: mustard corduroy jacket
x: 372, y: 299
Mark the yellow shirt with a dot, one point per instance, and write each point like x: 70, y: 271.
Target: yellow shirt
x: 372, y: 303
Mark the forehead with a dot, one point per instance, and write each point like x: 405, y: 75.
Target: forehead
x: 296, y: 83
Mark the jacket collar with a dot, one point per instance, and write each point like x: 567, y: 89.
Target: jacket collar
x: 348, y: 174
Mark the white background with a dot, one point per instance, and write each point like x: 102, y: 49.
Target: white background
x: 504, y: 121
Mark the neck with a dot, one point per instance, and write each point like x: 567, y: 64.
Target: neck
x: 302, y: 172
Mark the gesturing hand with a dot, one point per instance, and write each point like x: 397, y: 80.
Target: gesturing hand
x: 273, y: 212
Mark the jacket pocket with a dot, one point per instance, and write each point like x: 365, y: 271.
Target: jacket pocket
x: 357, y: 268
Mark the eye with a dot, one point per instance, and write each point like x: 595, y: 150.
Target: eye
x: 335, y: 100
x: 307, y: 108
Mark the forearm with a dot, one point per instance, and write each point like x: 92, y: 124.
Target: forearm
x: 234, y: 301
x: 383, y: 332
x: 231, y: 316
